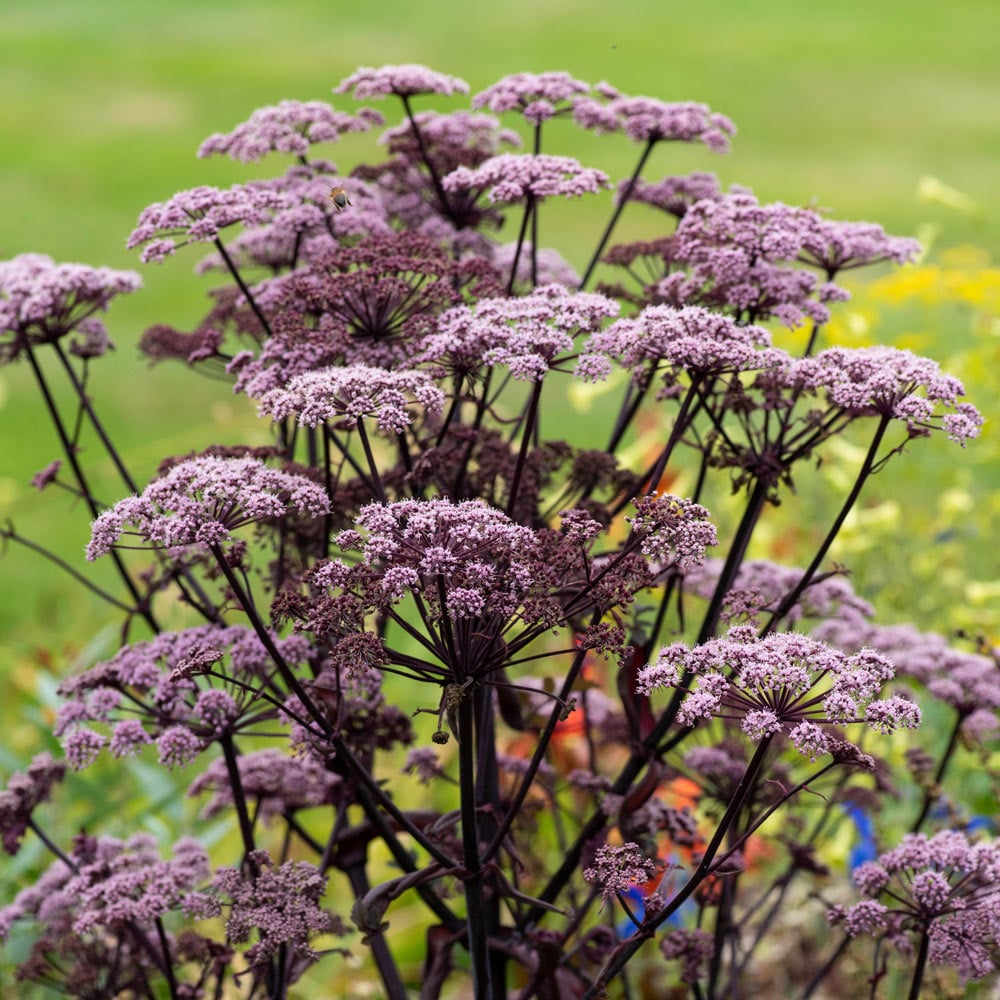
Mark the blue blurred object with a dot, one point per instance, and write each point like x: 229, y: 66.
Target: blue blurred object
x: 865, y: 849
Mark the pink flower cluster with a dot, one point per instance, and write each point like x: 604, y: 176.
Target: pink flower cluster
x: 646, y: 119
x: 148, y: 693
x: 345, y: 396
x: 538, y: 96
x: 943, y: 886
x: 199, y: 214
x: 42, y: 301
x: 288, y: 127
x: 691, y: 339
x: 530, y: 333
x: 403, y: 81
x: 111, y: 882
x: 616, y: 869
x: 512, y: 177
x: 782, y: 683
x: 886, y: 381
x: 202, y: 501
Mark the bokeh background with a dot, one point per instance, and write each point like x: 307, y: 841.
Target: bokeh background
x: 886, y: 111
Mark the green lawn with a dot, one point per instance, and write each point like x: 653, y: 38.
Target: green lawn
x: 847, y: 107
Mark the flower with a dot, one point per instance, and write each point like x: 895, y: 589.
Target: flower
x: 203, y: 500
x: 691, y: 339
x: 885, y: 381
x: 404, y: 81
x: 199, y: 214
x: 784, y: 682
x: 536, y: 95
x: 41, y: 301
x: 24, y: 792
x: 149, y: 692
x: 347, y: 395
x: 650, y: 120
x: 944, y: 887
x: 277, y: 904
x: 512, y: 177
x: 741, y: 256
x: 616, y: 869
x: 528, y: 333
x: 111, y: 882
x: 841, y: 246
x: 288, y: 127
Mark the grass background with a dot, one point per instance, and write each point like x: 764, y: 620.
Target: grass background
x: 848, y: 106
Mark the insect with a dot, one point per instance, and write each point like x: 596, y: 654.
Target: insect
x: 339, y: 197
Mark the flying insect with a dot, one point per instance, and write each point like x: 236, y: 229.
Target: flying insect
x: 339, y: 198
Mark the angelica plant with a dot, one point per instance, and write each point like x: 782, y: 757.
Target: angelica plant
x: 438, y: 658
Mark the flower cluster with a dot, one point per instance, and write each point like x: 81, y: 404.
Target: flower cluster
x: 646, y: 119
x: 107, y: 883
x: 199, y: 215
x: 783, y: 683
x: 202, y: 501
x: 538, y: 96
x: 149, y: 693
x: 513, y: 177
x: 691, y: 339
x: 403, y: 81
x: 885, y: 381
x: 944, y: 888
x: 41, y: 301
x: 529, y: 334
x: 23, y: 793
x: 279, y: 905
x: 288, y: 127
x: 344, y: 396
x: 617, y: 869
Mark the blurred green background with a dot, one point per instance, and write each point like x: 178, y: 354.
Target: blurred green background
x: 888, y: 112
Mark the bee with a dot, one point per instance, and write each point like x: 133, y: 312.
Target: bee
x: 339, y: 198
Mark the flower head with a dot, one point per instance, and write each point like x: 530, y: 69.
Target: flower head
x: 943, y: 886
x: 528, y: 333
x: 41, y: 301
x: 288, y: 127
x: 692, y: 339
x: 344, y: 396
x: 893, y: 383
x: 199, y: 215
x: 404, y: 81
x: 784, y: 682
x: 24, y: 792
x: 617, y: 869
x: 538, y: 96
x: 840, y: 246
x: 203, y: 500
x: 512, y: 177
x: 646, y: 119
